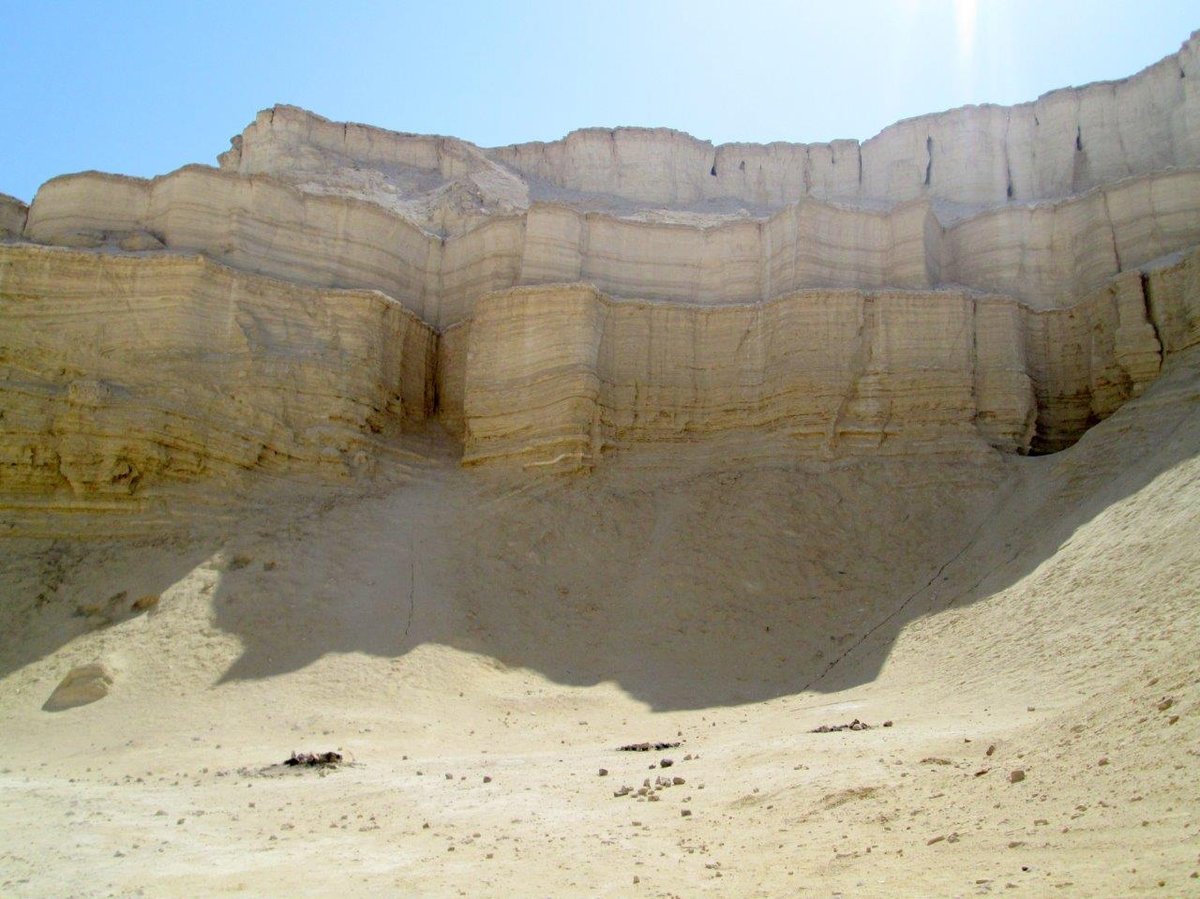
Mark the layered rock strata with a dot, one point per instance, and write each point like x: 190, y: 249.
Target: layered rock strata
x: 553, y: 374
x: 1046, y: 254
x: 987, y: 275
x: 118, y: 370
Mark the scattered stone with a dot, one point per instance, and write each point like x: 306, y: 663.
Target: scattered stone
x: 990, y: 750
x: 1166, y: 704
x: 887, y: 723
x: 1103, y: 761
x: 982, y: 771
x: 685, y: 813
x: 103, y: 613
x: 666, y: 763
x: 646, y: 747
x: 487, y: 778
x: 83, y: 684
x: 935, y: 760
x: 449, y: 776
x: 1016, y: 776
x: 678, y: 781
x: 604, y: 772
x: 624, y: 791
x: 933, y: 840
x: 1172, y: 719
x: 145, y: 603
x: 834, y: 728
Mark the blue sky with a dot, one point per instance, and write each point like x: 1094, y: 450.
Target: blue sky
x: 142, y: 88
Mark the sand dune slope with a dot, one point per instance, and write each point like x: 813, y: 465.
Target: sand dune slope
x: 479, y: 644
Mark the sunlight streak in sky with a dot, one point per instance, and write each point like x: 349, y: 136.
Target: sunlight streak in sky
x: 966, y: 13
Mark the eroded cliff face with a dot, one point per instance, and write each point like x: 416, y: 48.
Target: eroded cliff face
x: 119, y: 370
x: 987, y: 276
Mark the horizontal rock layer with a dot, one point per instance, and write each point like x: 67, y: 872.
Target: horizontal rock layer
x: 120, y: 370
x: 553, y: 374
x: 116, y: 371
x: 1065, y: 142
x: 1048, y: 255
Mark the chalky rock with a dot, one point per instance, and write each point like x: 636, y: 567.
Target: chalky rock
x: 83, y: 684
x: 986, y: 277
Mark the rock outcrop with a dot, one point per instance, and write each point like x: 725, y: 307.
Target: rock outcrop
x: 83, y: 685
x: 12, y: 216
x: 120, y: 369
x: 984, y: 276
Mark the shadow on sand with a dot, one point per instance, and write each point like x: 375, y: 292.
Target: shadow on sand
x: 690, y: 584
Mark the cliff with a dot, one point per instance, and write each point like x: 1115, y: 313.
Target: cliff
x: 122, y: 370
x: 987, y: 276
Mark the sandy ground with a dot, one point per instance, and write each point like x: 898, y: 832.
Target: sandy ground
x: 478, y: 645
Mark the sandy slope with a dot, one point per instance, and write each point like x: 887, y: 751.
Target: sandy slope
x: 445, y: 626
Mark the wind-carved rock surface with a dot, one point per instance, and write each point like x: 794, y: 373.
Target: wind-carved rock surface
x: 1002, y: 276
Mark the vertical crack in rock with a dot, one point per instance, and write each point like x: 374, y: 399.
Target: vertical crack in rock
x: 929, y: 160
x: 1009, y: 191
x: 859, y: 363
x: 1112, y: 231
x: 1148, y: 308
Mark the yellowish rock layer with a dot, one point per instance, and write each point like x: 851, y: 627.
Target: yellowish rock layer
x: 117, y: 370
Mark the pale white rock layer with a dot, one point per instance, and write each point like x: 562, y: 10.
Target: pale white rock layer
x: 1066, y: 141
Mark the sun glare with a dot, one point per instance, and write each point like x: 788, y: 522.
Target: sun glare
x: 966, y: 12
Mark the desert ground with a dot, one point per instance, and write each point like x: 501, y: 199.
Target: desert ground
x: 478, y: 645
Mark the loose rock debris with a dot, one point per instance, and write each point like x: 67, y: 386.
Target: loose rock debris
x: 314, y: 759
x: 853, y: 725
x: 646, y: 747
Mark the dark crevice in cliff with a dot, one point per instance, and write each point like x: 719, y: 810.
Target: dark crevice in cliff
x: 929, y: 160
x: 1148, y: 307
